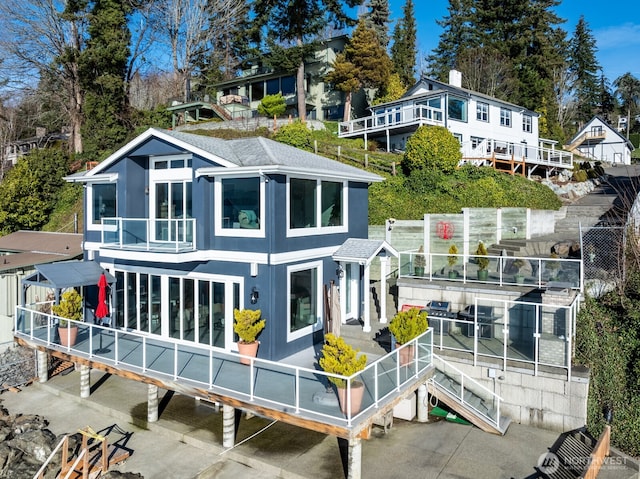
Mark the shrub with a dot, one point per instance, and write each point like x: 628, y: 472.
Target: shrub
x: 481, y: 252
x: 247, y: 324
x: 431, y: 147
x: 579, y: 176
x: 339, y: 357
x: 407, y: 325
x: 70, y: 307
x: 452, y: 259
x: 295, y: 134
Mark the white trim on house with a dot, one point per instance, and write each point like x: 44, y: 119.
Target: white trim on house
x: 318, y: 324
x: 302, y: 255
x: 218, y: 202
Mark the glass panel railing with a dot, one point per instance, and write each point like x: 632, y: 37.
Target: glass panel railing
x: 149, y: 234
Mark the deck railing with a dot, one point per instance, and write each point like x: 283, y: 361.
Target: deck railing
x: 275, y: 384
x: 512, y: 332
x: 500, y: 270
x: 415, y: 114
x: 149, y: 234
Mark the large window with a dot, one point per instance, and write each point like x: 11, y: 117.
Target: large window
x: 288, y: 85
x: 316, y: 204
x: 304, y: 304
x: 457, y: 109
x: 527, y: 123
x: 103, y: 202
x: 239, y: 206
x: 482, y: 111
x: 257, y: 91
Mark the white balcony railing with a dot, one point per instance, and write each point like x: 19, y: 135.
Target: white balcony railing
x: 275, y: 384
x: 500, y: 270
x: 407, y: 115
x: 142, y: 234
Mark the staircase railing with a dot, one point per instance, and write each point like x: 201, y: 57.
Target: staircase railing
x: 469, y: 385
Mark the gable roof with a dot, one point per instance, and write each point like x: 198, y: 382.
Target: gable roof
x: 362, y: 251
x: 422, y: 84
x: 259, y: 155
x: 604, y: 122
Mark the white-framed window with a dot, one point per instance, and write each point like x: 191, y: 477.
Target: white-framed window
x: 527, y: 123
x: 102, y: 201
x: 505, y: 117
x: 476, y: 141
x: 304, y: 283
x: 240, y: 206
x: 316, y: 206
x: 482, y: 111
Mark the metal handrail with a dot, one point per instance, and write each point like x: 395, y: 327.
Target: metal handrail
x: 423, y: 347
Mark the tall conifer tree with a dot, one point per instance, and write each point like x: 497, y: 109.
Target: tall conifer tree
x: 403, y: 50
x: 377, y: 19
x: 585, y: 67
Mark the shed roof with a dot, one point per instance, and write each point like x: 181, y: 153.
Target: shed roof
x: 24, y: 249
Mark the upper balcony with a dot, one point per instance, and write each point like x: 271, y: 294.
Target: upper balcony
x: 406, y: 116
x: 153, y: 235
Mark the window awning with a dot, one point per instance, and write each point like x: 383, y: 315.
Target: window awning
x: 67, y: 274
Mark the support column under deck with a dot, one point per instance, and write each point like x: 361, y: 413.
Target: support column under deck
x: 228, y: 426
x: 152, y: 403
x: 354, y: 461
x: 43, y: 366
x: 422, y: 406
x: 85, y: 381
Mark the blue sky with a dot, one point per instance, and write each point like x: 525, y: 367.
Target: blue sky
x: 614, y: 24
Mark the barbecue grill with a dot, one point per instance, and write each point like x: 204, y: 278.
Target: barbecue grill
x: 485, y: 321
x: 439, y: 309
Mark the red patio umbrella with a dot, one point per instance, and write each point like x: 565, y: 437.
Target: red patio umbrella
x: 101, y: 310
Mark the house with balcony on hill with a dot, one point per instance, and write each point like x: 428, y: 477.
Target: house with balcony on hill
x: 491, y: 131
x: 599, y: 141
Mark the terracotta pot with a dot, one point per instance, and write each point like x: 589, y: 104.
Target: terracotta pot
x: 357, y: 392
x: 68, y: 336
x: 248, y: 349
x: 407, y: 354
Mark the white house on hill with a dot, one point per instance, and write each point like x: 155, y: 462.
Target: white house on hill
x: 599, y: 141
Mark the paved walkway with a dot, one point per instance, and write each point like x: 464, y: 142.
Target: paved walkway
x: 186, y: 441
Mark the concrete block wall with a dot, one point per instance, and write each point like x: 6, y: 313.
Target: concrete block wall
x: 548, y: 400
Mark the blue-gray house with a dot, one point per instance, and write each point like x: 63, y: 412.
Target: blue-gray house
x: 192, y: 227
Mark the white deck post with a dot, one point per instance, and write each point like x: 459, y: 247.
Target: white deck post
x: 85, y: 381
x: 384, y: 269
x: 152, y: 403
x: 354, y: 466
x: 422, y: 408
x: 43, y: 366
x: 367, y: 292
x: 228, y: 426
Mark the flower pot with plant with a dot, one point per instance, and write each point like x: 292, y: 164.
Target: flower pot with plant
x: 452, y: 260
x: 247, y: 324
x: 406, y: 326
x: 339, y: 357
x: 519, y: 275
x: 483, y: 261
x: 69, y: 308
x: 419, y: 262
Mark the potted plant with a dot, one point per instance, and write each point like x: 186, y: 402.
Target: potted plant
x: 518, y: 276
x: 483, y: 261
x: 70, y: 307
x: 247, y: 324
x: 339, y: 357
x: 406, y: 326
x: 419, y: 262
x: 452, y: 259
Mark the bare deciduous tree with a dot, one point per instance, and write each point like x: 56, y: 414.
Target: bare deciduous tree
x: 563, y: 79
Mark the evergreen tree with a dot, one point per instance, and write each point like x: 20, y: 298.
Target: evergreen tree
x: 403, y: 50
x: 293, y: 23
x: 628, y: 91
x: 584, y: 65
x: 344, y: 78
x: 103, y: 68
x: 458, y: 34
x: 606, y: 100
x: 377, y: 19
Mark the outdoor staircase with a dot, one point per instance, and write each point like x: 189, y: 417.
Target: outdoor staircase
x: 467, y: 397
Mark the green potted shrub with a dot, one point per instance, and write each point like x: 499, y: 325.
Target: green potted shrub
x: 70, y: 307
x: 406, y: 326
x: 483, y: 261
x: 339, y: 357
x: 419, y: 262
x: 247, y: 324
x: 452, y: 260
x: 518, y: 276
